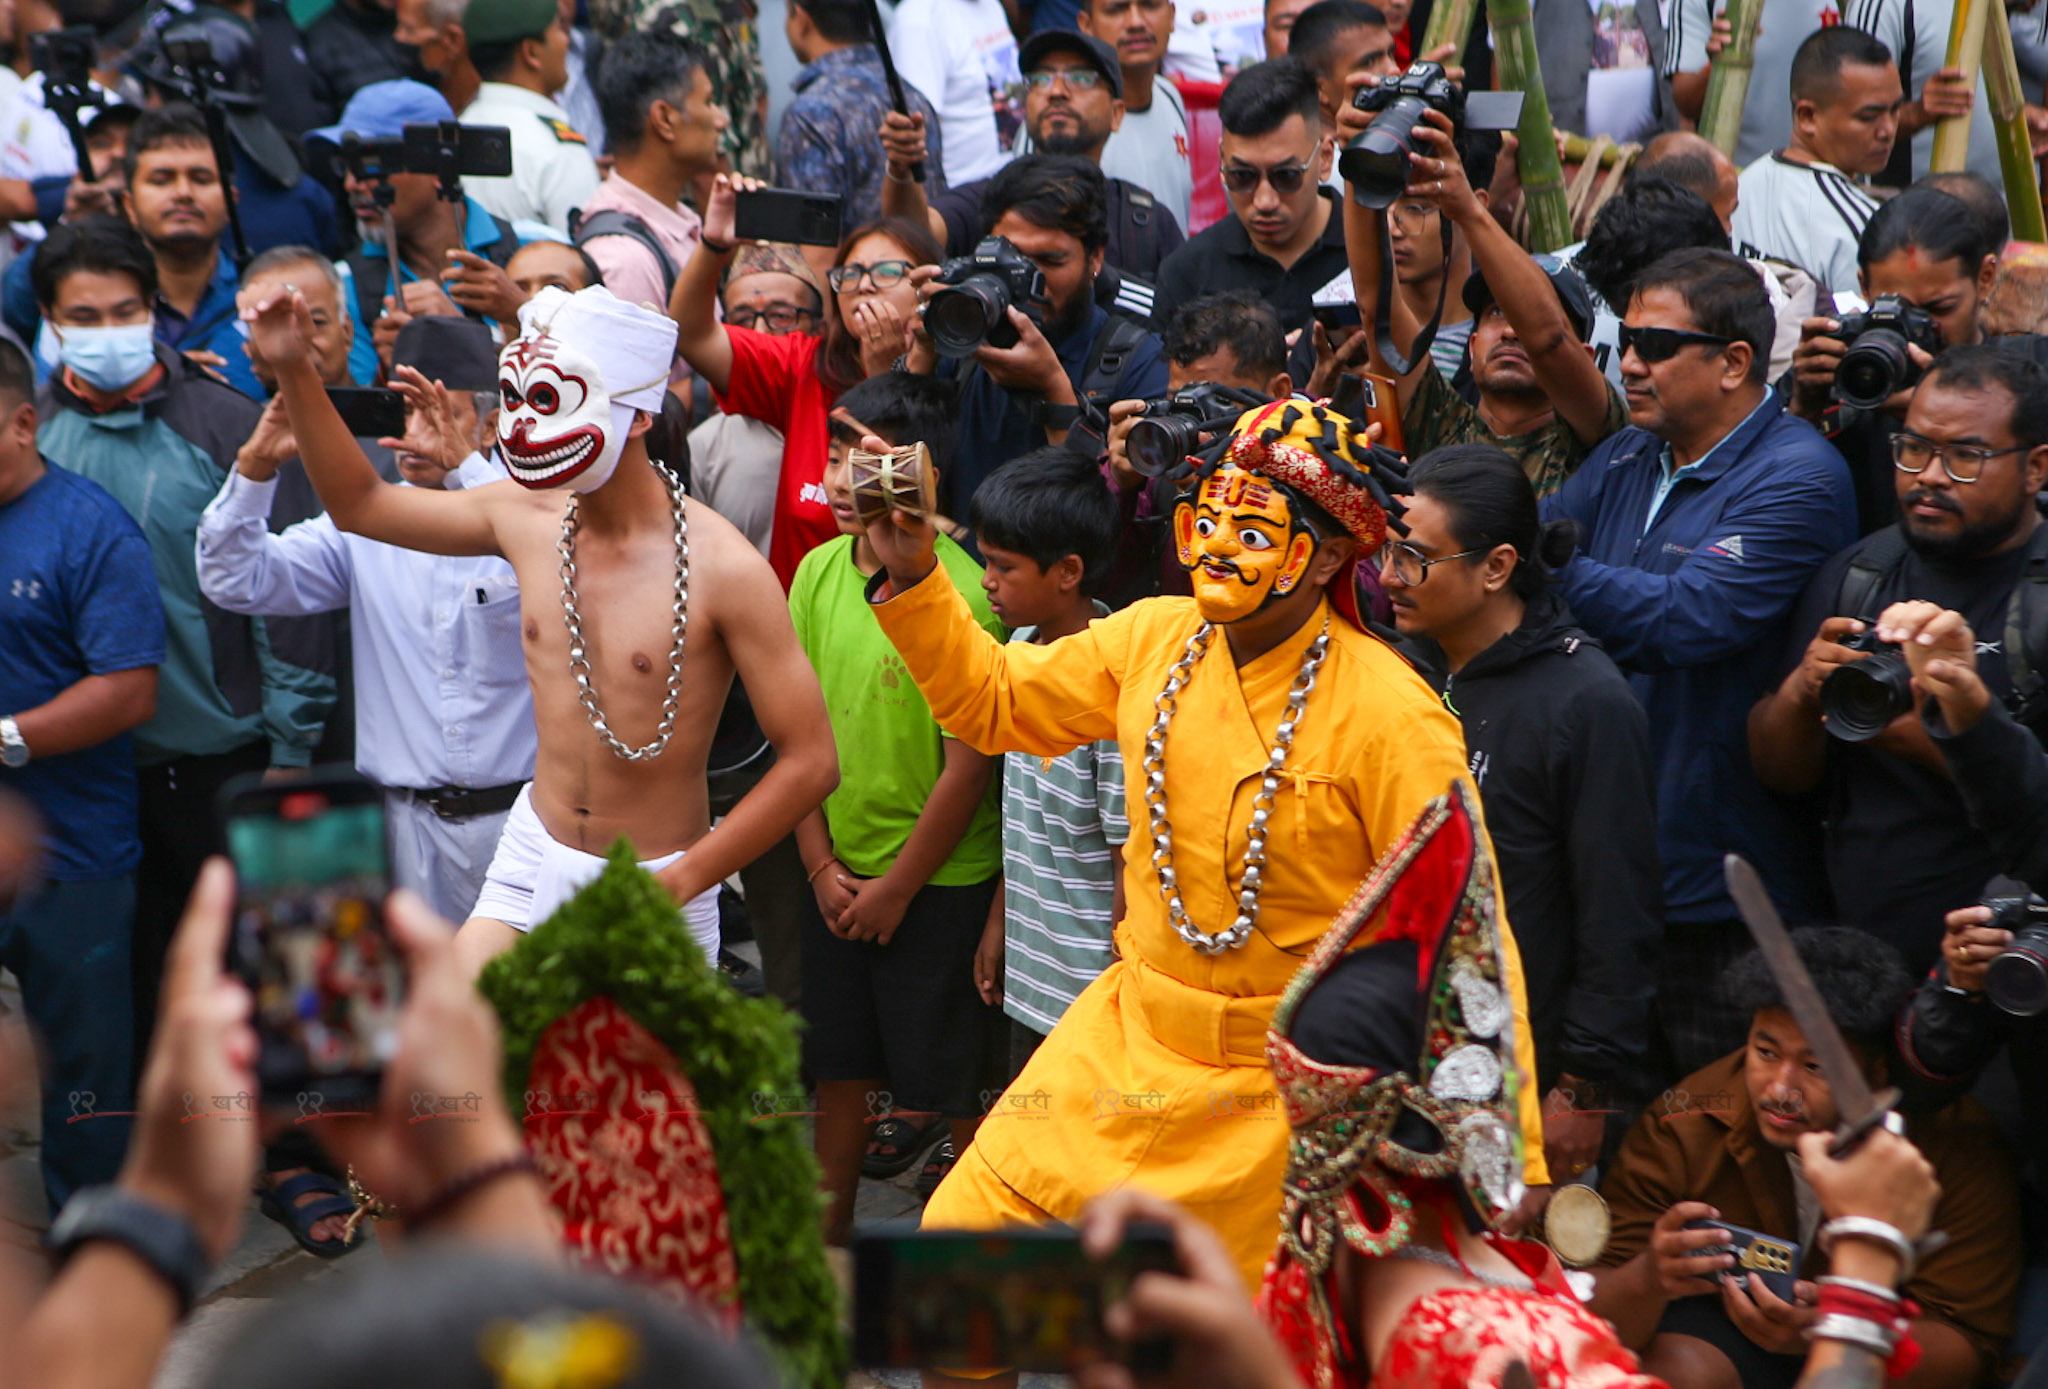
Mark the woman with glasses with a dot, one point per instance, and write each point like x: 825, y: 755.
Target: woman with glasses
x: 790, y: 381
x: 1560, y: 750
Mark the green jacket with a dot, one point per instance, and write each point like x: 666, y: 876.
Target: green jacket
x: 226, y: 680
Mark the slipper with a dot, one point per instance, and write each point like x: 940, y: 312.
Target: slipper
x: 281, y: 1203
x: 935, y: 1169
x: 907, y: 1137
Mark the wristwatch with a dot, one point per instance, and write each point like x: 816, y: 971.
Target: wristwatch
x: 162, y: 1239
x: 13, y: 747
x: 1047, y: 415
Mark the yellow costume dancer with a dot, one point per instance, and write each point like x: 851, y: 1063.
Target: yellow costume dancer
x: 1274, y: 752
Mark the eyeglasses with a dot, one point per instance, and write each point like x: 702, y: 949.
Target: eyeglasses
x: 1411, y: 214
x: 1662, y: 344
x: 779, y: 317
x: 1078, y: 79
x: 1243, y: 179
x: 1410, y: 565
x: 1962, y: 462
x: 883, y: 272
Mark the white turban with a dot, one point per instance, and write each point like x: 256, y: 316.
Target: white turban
x: 632, y: 345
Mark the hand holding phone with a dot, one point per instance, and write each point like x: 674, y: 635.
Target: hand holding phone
x: 787, y: 214
x: 1772, y: 1260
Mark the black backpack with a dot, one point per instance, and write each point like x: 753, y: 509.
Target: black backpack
x: 612, y: 222
x: 2026, y: 611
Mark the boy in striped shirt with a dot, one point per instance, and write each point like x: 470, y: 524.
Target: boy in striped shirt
x: 1046, y: 524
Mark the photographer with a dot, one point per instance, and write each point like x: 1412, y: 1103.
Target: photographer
x: 1969, y: 538
x: 1927, y: 249
x: 1542, y: 398
x: 1068, y: 351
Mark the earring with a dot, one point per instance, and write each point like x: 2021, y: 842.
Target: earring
x: 1283, y: 584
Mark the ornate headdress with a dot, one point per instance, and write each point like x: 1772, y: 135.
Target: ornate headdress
x: 1433, y: 979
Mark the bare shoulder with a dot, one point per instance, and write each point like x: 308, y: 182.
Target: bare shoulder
x: 720, y: 553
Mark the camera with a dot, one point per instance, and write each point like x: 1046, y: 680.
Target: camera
x: 1862, y: 698
x: 443, y: 150
x: 1172, y: 426
x: 974, y: 307
x: 1375, y: 163
x: 2017, y: 979
x: 64, y: 56
x: 1877, y: 366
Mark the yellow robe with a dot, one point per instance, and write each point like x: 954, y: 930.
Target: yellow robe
x: 1157, y: 1074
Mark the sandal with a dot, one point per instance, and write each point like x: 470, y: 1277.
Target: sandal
x: 935, y: 1169
x: 906, y: 1138
x: 281, y: 1203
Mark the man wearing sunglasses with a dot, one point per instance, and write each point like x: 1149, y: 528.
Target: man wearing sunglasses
x: 1283, y: 239
x: 1966, y: 464
x: 1699, y: 526
x: 1073, y: 103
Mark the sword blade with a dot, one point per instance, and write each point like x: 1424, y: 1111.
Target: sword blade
x: 1853, y: 1096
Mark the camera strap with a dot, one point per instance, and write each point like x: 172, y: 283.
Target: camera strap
x: 2026, y: 630
x: 1382, y: 318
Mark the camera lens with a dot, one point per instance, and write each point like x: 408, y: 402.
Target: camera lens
x: 1375, y: 164
x: 1155, y: 445
x: 962, y: 317
x: 2017, y: 979
x: 1875, y: 368
x: 1860, y: 700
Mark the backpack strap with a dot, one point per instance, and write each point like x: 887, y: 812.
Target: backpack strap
x: 1874, y: 561
x: 2026, y: 631
x: 1114, y: 345
x: 1139, y: 222
x: 613, y: 222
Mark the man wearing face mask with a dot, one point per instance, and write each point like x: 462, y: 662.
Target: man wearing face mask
x: 1290, y: 752
x: 234, y: 695
x: 619, y: 566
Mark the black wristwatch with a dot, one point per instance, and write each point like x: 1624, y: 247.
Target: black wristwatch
x: 162, y: 1239
x: 1047, y: 415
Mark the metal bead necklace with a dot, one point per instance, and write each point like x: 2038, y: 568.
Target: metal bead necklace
x: 579, y: 652
x: 1252, y: 878
x: 1423, y: 1253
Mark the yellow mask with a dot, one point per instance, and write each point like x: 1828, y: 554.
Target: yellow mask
x: 1238, y: 541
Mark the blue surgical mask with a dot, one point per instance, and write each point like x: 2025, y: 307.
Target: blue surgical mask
x: 110, y: 358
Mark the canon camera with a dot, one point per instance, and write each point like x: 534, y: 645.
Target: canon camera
x: 1375, y: 163
x: 973, y: 309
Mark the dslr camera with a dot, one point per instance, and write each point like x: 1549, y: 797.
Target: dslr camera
x: 1172, y: 426
x: 1861, y: 698
x: 1375, y: 163
x: 1877, y: 365
x: 973, y: 309
x: 2017, y: 980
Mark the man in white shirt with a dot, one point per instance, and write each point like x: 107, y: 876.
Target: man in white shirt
x: 444, y: 716
x: 521, y: 50
x: 1150, y: 148
x: 963, y: 57
x: 1807, y: 202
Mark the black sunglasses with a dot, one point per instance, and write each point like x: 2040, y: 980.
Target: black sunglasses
x: 1244, y: 178
x: 1662, y: 344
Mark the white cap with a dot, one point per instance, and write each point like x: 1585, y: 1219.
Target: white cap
x: 632, y: 345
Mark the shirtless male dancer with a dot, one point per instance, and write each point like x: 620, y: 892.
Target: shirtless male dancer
x: 616, y: 568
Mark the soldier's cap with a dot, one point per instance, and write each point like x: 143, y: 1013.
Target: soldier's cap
x: 507, y: 21
x: 1100, y: 55
x: 1569, y: 284
x: 386, y: 108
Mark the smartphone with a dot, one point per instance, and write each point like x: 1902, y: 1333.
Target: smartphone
x: 1025, y: 1298
x: 1365, y: 398
x: 370, y: 412
x: 785, y: 214
x: 309, y: 937
x: 1774, y: 1260
x: 450, y: 150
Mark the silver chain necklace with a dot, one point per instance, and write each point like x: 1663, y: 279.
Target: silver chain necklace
x: 1252, y: 878
x: 579, y: 653
x: 1423, y: 1253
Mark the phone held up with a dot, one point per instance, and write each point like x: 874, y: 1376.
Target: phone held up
x: 786, y: 214
x: 1027, y: 1298
x: 370, y: 412
x: 309, y: 937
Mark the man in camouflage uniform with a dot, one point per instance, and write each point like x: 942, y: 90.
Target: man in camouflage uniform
x: 724, y: 32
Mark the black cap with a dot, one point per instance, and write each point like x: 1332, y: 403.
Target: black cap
x: 460, y: 353
x: 1569, y: 284
x: 1099, y: 54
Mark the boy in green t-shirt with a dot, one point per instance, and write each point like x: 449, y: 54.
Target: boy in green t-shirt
x: 903, y: 857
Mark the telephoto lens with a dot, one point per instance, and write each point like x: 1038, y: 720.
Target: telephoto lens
x: 2017, y: 978
x: 1375, y: 163
x: 964, y: 317
x: 1156, y: 445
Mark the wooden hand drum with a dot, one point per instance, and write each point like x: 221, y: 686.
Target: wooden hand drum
x: 899, y: 480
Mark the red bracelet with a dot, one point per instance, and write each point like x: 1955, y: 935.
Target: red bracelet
x: 1896, y: 1316
x: 476, y: 1178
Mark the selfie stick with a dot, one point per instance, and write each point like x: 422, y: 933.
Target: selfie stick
x: 65, y: 98
x: 889, y: 76
x: 194, y: 72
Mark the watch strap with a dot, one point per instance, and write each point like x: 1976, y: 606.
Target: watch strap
x: 161, y: 1238
x: 1049, y: 416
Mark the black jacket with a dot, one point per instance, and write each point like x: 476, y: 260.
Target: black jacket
x: 1560, y: 750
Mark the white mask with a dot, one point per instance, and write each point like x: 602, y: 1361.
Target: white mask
x: 557, y: 425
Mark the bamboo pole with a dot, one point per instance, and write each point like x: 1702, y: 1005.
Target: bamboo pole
x: 2009, y: 123
x: 1728, y: 81
x: 1965, y: 51
x: 1519, y: 70
x: 1449, y: 22
x: 1577, y: 147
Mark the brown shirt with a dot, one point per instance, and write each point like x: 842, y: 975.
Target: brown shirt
x: 1699, y: 1142
x: 1438, y: 416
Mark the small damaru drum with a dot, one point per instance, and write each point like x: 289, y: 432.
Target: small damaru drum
x: 899, y: 480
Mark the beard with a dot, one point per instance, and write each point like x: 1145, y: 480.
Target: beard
x: 1081, y: 142
x: 1972, y: 540
x: 1063, y: 323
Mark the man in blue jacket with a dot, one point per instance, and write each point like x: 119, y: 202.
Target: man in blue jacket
x: 1700, y: 526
